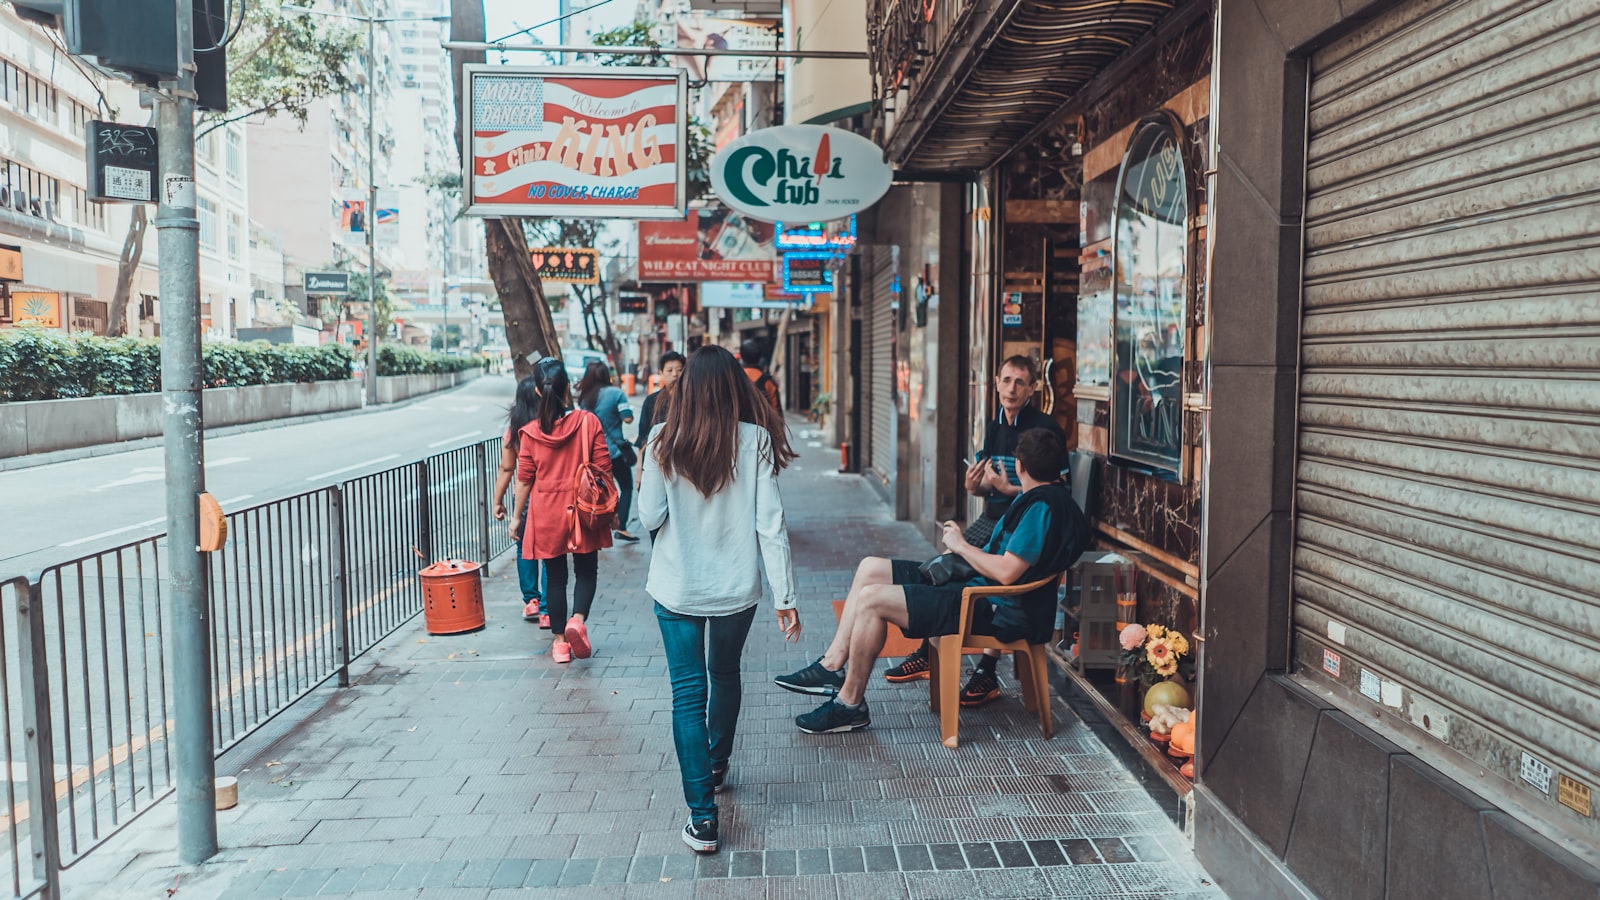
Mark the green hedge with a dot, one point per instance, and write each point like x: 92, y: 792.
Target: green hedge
x: 36, y: 364
x: 394, y: 359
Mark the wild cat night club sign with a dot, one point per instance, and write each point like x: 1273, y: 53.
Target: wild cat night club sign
x: 576, y: 142
x: 800, y: 173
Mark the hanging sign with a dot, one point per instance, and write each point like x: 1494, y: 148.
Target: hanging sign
x: 42, y: 308
x: 566, y: 264
x: 595, y: 143
x: 711, y: 244
x: 808, y: 272
x: 326, y: 284
x: 800, y: 173
x: 122, y: 162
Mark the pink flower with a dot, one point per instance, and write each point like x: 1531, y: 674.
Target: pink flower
x: 1132, y: 637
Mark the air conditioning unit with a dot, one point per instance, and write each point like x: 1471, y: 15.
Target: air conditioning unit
x: 36, y: 208
x: 50, y: 210
x: 5, y: 196
x: 20, y: 200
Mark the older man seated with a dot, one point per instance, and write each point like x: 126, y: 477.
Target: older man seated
x: 1042, y: 533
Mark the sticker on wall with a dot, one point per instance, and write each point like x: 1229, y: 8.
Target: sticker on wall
x: 1330, y: 662
x: 1536, y: 772
x: 1011, y: 311
x: 1574, y: 795
x: 1371, y: 686
x: 1336, y: 632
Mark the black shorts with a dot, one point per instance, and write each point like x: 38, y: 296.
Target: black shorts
x: 931, y: 610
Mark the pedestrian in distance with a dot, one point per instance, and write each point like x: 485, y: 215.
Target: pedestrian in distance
x: 753, y: 354
x: 710, y: 485
x: 598, y: 395
x: 554, y: 453
x: 524, y: 409
x: 650, y: 413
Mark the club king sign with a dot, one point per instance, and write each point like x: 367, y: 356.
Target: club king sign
x: 800, y: 173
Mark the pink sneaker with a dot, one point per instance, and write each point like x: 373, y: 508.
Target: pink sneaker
x: 530, y: 613
x: 578, y: 639
x: 544, y: 622
x: 560, y: 652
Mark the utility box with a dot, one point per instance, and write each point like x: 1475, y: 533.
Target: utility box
x: 136, y: 37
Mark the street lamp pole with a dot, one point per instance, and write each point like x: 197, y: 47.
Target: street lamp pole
x: 372, y: 218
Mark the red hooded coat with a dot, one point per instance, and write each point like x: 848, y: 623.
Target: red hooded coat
x: 550, y: 462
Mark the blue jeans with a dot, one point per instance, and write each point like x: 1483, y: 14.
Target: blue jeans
x: 530, y: 577
x: 703, y: 722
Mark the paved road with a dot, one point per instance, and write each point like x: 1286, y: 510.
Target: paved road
x: 62, y: 511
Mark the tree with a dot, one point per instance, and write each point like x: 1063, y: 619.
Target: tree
x: 278, y: 64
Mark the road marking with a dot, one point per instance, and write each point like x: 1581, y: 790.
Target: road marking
x: 140, y: 475
x: 225, y: 461
x: 105, y: 534
x: 239, y: 499
x: 359, y: 465
x: 452, y: 440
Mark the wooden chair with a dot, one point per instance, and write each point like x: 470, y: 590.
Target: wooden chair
x: 944, y: 662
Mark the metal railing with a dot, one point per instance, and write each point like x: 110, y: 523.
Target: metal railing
x: 303, y: 585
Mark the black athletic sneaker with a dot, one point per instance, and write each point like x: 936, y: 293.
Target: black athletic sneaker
x: 981, y: 688
x: 813, y: 679
x: 719, y: 774
x: 833, y: 717
x: 701, y: 836
x: 914, y: 668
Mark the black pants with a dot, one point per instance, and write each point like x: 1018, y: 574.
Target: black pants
x: 624, y: 478
x: 555, y: 593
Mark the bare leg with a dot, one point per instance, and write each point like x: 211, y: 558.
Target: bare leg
x: 879, y: 605
x: 873, y: 570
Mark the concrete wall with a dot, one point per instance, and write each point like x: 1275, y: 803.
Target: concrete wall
x: 393, y: 388
x: 47, y: 425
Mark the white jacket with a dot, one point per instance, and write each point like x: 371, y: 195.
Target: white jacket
x: 705, y: 559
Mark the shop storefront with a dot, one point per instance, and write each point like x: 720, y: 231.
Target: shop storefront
x: 1314, y: 289
x: 1401, y: 559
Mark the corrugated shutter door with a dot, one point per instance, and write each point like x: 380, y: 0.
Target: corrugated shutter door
x: 1447, y: 549
x: 882, y: 384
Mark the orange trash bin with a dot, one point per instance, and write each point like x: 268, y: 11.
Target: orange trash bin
x: 452, y: 596
x: 629, y: 384
x: 655, y: 383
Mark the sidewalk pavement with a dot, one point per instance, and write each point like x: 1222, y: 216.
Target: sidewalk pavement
x: 473, y: 766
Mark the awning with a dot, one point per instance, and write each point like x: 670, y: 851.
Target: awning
x: 1004, y: 71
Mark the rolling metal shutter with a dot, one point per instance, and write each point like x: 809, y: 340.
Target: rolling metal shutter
x: 1447, y: 532
x: 882, y: 378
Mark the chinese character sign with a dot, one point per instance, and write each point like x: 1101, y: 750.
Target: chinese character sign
x: 576, y: 142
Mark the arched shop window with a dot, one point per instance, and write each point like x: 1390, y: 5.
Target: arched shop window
x: 1150, y: 259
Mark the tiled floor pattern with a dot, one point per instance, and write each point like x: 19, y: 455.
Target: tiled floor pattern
x: 473, y: 767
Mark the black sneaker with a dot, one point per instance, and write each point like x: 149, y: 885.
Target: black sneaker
x: 813, y: 679
x: 833, y: 717
x: 701, y: 836
x: 913, y: 669
x: 719, y: 774
x: 981, y: 688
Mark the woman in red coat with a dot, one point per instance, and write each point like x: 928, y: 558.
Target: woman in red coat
x: 549, y: 452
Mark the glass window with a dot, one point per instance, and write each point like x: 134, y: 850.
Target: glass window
x: 1150, y: 260
x: 235, y: 235
x: 235, y: 156
x: 208, y: 223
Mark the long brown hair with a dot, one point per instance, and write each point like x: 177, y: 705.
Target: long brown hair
x: 699, y: 437
x: 595, y: 376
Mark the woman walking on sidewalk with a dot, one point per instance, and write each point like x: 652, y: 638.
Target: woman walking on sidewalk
x: 524, y: 409
x: 598, y: 395
x: 550, y: 452
x: 710, y: 484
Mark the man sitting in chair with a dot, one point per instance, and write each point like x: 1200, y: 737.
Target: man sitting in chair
x: 1042, y: 533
